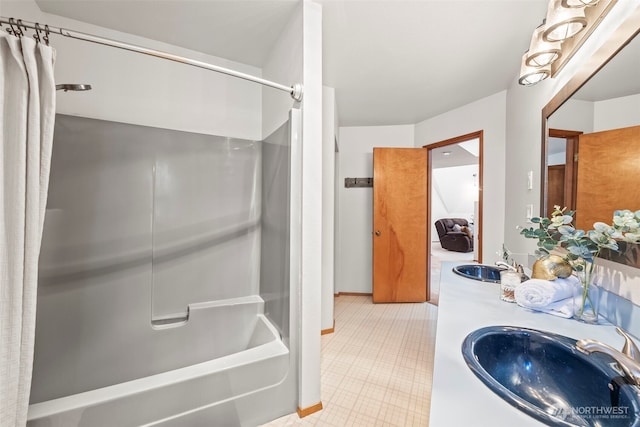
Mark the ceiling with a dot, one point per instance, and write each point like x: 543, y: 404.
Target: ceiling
x: 239, y: 30
x: 391, y: 62
x: 461, y: 154
x: 617, y: 78
x: 401, y: 62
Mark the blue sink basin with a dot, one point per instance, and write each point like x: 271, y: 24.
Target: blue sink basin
x: 484, y: 273
x: 546, y: 376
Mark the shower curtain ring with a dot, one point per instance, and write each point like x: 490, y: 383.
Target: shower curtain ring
x: 36, y: 35
x: 46, y: 34
x: 13, y: 30
x: 20, y: 24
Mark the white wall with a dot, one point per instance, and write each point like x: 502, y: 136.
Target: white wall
x: 488, y: 115
x: 311, y: 255
x: 556, y: 159
x: 297, y: 57
x: 329, y: 127
x: 283, y: 65
x: 355, y: 214
x: 453, y: 194
x: 133, y: 88
x: 573, y: 115
x: 617, y: 113
x: 597, y: 116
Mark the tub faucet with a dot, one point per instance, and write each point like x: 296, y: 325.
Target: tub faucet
x: 628, y: 359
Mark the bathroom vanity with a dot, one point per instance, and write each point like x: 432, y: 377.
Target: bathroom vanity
x: 459, y: 397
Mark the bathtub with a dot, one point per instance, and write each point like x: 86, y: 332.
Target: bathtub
x: 212, y: 392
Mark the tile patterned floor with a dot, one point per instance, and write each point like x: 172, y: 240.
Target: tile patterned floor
x: 439, y: 255
x: 376, y: 367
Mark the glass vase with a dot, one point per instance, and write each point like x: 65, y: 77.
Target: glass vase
x: 586, y: 298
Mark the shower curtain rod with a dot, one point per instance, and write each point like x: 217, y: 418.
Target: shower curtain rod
x: 44, y: 30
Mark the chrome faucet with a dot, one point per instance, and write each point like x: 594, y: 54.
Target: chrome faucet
x: 515, y: 267
x: 628, y: 359
x: 506, y: 265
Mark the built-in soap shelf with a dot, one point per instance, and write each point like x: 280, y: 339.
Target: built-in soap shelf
x: 174, y: 320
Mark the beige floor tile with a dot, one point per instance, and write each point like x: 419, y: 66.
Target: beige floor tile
x: 376, y: 367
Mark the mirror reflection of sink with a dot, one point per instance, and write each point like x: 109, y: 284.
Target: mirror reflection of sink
x: 546, y: 376
x: 484, y: 273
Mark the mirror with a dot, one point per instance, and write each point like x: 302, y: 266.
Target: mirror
x: 601, y: 100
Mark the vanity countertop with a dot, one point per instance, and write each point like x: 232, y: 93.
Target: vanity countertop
x: 458, y: 397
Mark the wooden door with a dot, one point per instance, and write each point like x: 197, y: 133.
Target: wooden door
x: 555, y: 188
x: 400, y: 225
x: 608, y: 175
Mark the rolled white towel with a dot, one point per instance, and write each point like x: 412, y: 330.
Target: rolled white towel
x: 562, y: 308
x: 538, y: 293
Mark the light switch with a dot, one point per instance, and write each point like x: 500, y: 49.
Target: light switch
x: 530, y: 180
x: 529, y: 213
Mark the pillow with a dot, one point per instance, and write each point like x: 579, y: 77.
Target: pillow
x: 457, y: 227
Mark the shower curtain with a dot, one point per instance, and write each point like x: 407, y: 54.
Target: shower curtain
x: 28, y: 95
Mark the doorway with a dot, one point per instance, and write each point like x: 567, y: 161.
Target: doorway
x: 455, y: 177
x: 561, y: 170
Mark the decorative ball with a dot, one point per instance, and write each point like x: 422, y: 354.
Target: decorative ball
x: 550, y: 267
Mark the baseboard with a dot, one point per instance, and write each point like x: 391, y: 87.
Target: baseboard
x: 353, y: 294
x: 303, y: 412
x: 330, y: 330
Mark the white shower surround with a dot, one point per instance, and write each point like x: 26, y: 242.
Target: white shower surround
x: 136, y: 212
x: 251, y: 368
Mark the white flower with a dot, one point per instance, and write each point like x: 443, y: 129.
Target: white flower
x: 626, y: 220
x: 617, y: 235
x: 626, y: 225
x: 601, y: 227
x: 559, y: 220
x: 631, y: 237
x: 603, y: 239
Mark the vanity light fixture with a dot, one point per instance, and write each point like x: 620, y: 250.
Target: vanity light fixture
x: 567, y: 25
x: 562, y: 22
x: 541, y: 52
x: 579, y: 3
x: 531, y: 75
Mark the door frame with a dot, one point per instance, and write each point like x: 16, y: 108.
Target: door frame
x: 571, y: 138
x: 477, y: 221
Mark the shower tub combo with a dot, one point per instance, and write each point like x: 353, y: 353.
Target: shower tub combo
x: 164, y: 293
x: 253, y: 365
